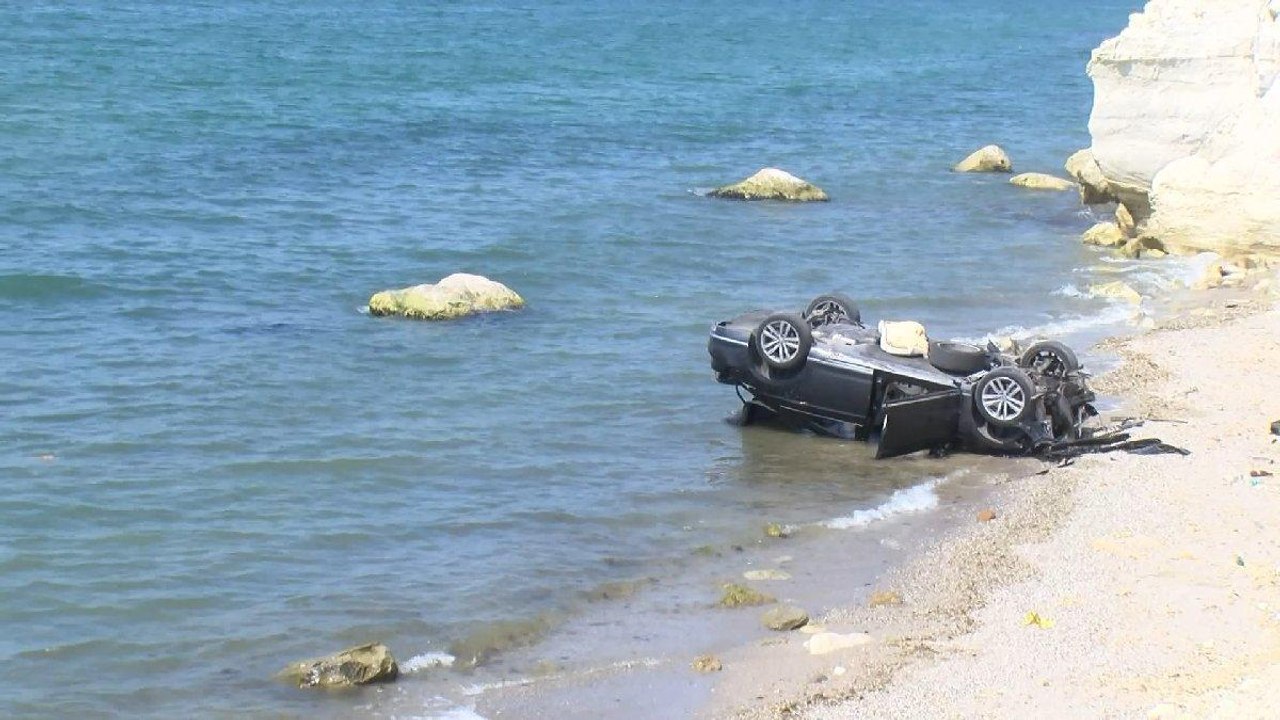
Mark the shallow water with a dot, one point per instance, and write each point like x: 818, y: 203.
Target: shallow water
x: 217, y: 463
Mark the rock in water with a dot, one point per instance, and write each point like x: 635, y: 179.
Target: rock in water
x: 707, y: 664
x: 734, y: 595
x: 784, y: 618
x: 1104, y: 234
x: 1040, y: 181
x: 456, y: 296
x: 772, y: 184
x: 986, y: 159
x: 1186, y: 123
x: 1116, y: 289
x: 359, y: 665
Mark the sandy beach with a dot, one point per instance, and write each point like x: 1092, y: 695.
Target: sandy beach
x: 1120, y: 585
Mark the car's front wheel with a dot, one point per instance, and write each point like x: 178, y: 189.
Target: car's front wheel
x: 783, y: 341
x: 1004, y: 397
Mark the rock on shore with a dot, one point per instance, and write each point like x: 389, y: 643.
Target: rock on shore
x: 1186, y: 123
x: 359, y: 665
x: 455, y: 296
x: 772, y: 184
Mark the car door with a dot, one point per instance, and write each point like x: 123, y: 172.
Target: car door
x: 919, y: 422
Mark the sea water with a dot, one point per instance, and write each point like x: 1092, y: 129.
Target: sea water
x: 215, y: 461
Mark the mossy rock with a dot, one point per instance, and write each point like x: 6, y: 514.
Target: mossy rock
x: 455, y: 296
x: 360, y: 665
x: 772, y: 184
x: 733, y: 595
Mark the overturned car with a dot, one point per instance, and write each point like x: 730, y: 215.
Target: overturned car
x: 825, y: 370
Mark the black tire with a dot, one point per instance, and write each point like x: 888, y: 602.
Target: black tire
x: 782, y: 341
x: 1004, y: 397
x: 1050, y: 358
x: 957, y: 357
x: 832, y: 308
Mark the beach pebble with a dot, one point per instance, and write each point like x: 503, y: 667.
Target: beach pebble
x: 766, y: 575
x: 986, y: 515
x: 991, y: 158
x: 706, y: 664
x: 784, y: 618
x: 883, y: 598
x: 1275, y: 428
x: 829, y: 642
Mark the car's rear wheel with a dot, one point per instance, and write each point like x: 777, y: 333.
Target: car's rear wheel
x: 1004, y: 397
x: 1050, y: 358
x: 783, y: 341
x: 957, y: 357
x: 832, y: 308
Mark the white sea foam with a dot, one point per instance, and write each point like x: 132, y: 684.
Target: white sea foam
x: 481, y: 688
x: 427, y: 661
x: 906, y: 501
x: 1069, y: 290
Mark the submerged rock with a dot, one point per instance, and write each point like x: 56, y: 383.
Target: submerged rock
x: 772, y: 184
x: 706, y: 664
x: 1186, y: 122
x: 1094, y: 188
x: 1116, y: 289
x: 360, y: 665
x: 455, y: 296
x: 1041, y: 181
x: 733, y: 595
x: 767, y: 574
x: 777, y: 530
x: 784, y: 618
x: 991, y: 158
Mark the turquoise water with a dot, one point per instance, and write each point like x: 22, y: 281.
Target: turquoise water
x: 216, y: 463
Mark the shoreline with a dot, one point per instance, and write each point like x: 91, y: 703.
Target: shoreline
x: 944, y: 577
x: 960, y: 645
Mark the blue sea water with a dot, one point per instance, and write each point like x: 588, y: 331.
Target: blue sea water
x: 215, y: 462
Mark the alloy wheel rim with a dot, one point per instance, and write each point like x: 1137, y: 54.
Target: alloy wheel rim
x: 780, y: 342
x: 1003, y: 398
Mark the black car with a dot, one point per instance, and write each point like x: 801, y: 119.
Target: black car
x: 825, y: 370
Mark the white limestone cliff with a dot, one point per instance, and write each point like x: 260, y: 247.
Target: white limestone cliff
x: 1186, y: 122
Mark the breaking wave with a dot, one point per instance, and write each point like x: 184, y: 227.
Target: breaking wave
x: 906, y: 501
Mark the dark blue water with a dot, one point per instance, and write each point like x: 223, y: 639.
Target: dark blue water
x: 214, y: 462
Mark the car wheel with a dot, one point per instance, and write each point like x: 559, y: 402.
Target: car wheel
x: 832, y: 308
x: 783, y: 341
x: 1004, y: 396
x: 1050, y: 358
x: 956, y: 357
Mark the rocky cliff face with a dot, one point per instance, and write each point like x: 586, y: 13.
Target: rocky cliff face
x: 1186, y: 122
